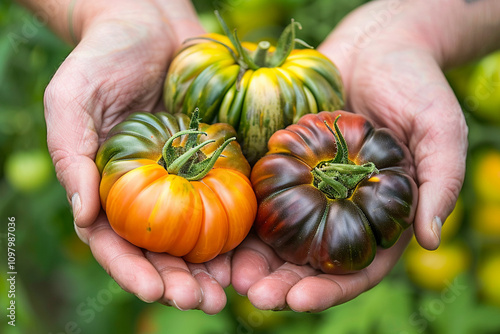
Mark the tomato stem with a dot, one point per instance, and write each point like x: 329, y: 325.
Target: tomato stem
x: 330, y: 185
x: 260, y: 54
x: 169, y: 152
x: 348, y: 168
x: 199, y: 170
x: 189, y: 161
x: 261, y: 58
x: 339, y: 177
x: 176, y: 165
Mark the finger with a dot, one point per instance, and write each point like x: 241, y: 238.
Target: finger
x: 82, y: 233
x: 124, y: 262
x: 82, y: 191
x: 182, y: 290
x: 349, y: 39
x: 220, y: 268
x: 252, y: 261
x: 182, y: 17
x: 72, y: 143
x: 439, y: 144
x: 318, y: 293
x: 270, y: 292
x: 213, y: 296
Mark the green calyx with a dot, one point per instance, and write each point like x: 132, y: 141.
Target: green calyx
x: 261, y: 57
x: 339, y: 177
x: 189, y: 161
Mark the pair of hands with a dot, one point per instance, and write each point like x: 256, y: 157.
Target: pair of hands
x: 119, y: 66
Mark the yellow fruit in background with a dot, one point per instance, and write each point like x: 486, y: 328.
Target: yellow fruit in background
x: 454, y: 221
x: 488, y: 275
x: 482, y: 96
x: 435, y: 270
x: 486, y: 176
x: 486, y: 219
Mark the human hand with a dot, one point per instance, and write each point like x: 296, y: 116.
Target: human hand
x: 119, y: 67
x: 393, y: 77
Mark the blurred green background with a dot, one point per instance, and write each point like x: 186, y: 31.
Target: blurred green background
x: 60, y: 288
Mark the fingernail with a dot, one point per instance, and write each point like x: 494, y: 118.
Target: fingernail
x: 79, y: 234
x: 174, y: 304
x: 281, y: 308
x: 76, y: 205
x: 436, y: 228
x: 144, y: 299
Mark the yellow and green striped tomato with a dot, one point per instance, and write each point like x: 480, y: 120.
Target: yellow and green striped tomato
x: 256, y: 88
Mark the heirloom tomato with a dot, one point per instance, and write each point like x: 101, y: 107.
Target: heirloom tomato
x: 172, y: 185
x: 256, y: 88
x: 328, y: 198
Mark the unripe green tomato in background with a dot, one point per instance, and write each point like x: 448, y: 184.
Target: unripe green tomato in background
x: 483, y: 90
x: 28, y: 171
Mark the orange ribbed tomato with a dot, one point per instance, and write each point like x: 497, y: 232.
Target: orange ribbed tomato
x: 168, y: 189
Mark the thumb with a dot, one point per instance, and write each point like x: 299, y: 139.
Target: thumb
x: 72, y: 142
x: 439, y: 143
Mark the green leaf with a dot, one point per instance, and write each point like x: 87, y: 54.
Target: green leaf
x: 233, y: 37
x: 226, y: 30
x: 285, y: 45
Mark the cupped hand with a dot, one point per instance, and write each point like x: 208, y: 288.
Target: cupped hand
x: 118, y: 67
x: 393, y: 77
